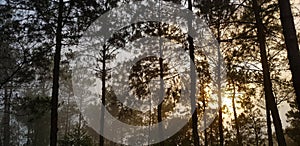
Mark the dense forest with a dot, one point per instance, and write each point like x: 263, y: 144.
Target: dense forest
x: 150, y: 72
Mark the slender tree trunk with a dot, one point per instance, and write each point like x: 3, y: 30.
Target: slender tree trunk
x: 162, y: 90
x: 193, y: 98
x: 221, y: 135
x: 55, y: 86
x: 103, y: 78
x: 159, y: 107
x: 193, y: 83
x: 269, y: 124
x: 220, y: 115
x: 237, y: 125
x: 266, y: 76
x: 291, y: 43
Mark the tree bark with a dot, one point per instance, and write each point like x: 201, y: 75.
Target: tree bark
x: 291, y: 43
x: 220, y: 122
x: 266, y: 76
x: 193, y: 82
x: 237, y: 125
x: 103, y: 78
x: 162, y: 90
x: 55, y: 86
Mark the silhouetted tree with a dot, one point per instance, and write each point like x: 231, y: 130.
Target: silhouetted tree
x: 291, y: 43
x: 270, y: 99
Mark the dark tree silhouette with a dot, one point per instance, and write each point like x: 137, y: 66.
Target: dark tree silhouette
x: 55, y: 86
x: 270, y: 99
x: 291, y: 42
x: 193, y: 82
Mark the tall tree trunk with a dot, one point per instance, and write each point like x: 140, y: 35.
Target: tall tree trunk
x: 237, y: 125
x: 6, y: 118
x: 269, y: 124
x: 193, y: 82
x: 220, y: 120
x: 266, y: 76
x: 291, y: 43
x: 159, y: 107
x: 103, y: 78
x: 55, y: 86
x: 221, y: 135
x: 162, y: 90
